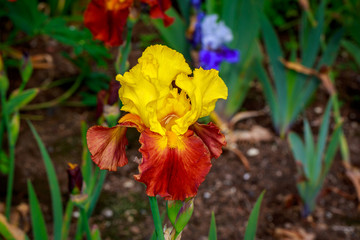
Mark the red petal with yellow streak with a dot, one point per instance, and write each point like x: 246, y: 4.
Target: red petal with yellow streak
x: 107, y: 146
x: 173, y: 173
x: 105, y: 25
x: 211, y: 136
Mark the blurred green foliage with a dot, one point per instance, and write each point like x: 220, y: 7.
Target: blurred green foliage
x: 314, y: 159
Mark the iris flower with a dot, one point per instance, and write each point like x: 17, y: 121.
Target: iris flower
x: 214, y: 37
x: 106, y: 19
x: 164, y: 99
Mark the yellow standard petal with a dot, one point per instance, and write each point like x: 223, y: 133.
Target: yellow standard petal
x: 137, y: 94
x: 147, y: 87
x: 162, y: 64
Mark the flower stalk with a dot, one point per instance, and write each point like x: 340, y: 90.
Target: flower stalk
x: 156, y: 217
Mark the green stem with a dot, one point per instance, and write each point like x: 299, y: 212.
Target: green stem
x: 85, y: 222
x: 56, y: 83
x: 156, y: 216
x: 96, y: 194
x: 124, y: 51
x: 10, y: 181
x: 78, y: 234
x: 58, y: 100
x: 67, y: 220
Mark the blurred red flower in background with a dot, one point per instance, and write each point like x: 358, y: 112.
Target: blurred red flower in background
x: 106, y: 19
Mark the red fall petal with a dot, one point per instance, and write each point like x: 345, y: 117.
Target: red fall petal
x: 158, y: 8
x: 106, y: 25
x: 211, y: 136
x: 107, y: 146
x: 173, y: 173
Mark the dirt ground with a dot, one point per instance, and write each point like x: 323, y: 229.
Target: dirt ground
x: 229, y: 190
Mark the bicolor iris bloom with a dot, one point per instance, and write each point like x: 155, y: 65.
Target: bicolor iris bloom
x: 164, y: 99
x: 106, y: 19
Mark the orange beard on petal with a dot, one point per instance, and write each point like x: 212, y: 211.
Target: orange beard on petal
x: 211, y: 136
x: 174, y: 173
x: 106, y: 25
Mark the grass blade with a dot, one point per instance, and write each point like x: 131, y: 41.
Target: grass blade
x: 37, y: 218
x: 212, y: 231
x: 250, y: 231
x: 332, y: 148
x: 95, y: 234
x: 353, y: 49
x: 21, y: 99
x: 54, y: 185
x: 309, y: 150
x: 298, y: 149
x: 274, y: 51
x: 184, y: 6
x: 313, y: 41
x: 332, y: 49
x: 174, y: 34
x: 270, y: 96
x: 321, y: 142
x: 96, y: 194
x: 240, y: 88
x: 67, y: 220
x: 86, y: 166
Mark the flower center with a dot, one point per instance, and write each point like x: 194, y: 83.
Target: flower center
x: 168, y: 121
x: 174, y: 106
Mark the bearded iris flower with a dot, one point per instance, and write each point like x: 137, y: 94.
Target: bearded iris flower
x: 213, y: 36
x: 164, y: 99
x: 106, y: 19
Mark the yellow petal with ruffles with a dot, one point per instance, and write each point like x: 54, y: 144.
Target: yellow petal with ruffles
x: 147, y: 85
x: 137, y: 94
x: 204, y: 89
x: 162, y: 64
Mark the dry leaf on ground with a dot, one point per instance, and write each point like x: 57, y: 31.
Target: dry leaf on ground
x: 15, y: 232
x: 256, y: 134
x: 322, y: 75
x: 293, y: 234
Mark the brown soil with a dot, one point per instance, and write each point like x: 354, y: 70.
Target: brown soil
x: 229, y: 190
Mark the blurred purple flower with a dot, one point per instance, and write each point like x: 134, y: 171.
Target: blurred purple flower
x: 196, y: 38
x: 196, y: 4
x: 210, y: 59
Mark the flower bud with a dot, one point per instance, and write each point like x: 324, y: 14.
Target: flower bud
x: 75, y: 178
x: 179, y: 213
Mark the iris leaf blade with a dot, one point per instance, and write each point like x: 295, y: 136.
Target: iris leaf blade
x: 212, y: 231
x: 37, y: 218
x: 250, y: 231
x: 57, y: 209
